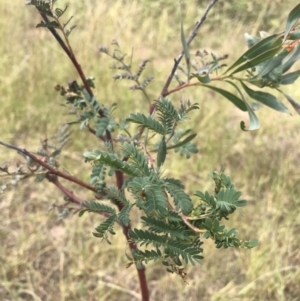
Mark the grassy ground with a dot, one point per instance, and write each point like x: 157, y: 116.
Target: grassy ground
x: 45, y: 258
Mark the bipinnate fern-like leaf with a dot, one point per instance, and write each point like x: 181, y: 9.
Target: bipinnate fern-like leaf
x: 102, y: 124
x: 59, y: 12
x: 50, y: 24
x: 142, y: 67
x: 167, y: 114
x: 228, y: 200
x: 173, y: 181
x: 138, y: 158
x: 123, y: 216
x: 105, y: 228
x: 181, y: 199
x: 97, y: 207
x: 171, y: 247
x: 114, y: 194
x: 98, y: 173
x: 146, y: 82
x: 155, y: 200
x: 147, y: 255
x: 147, y: 122
x: 186, y: 108
x: 151, y: 197
x: 173, y: 230
x: 111, y: 160
x: 42, y: 6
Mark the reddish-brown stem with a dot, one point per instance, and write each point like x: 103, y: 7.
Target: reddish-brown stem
x: 141, y: 272
x: 119, y: 175
x: 70, y: 55
x: 180, y: 87
x: 57, y: 172
x: 51, y: 169
x: 53, y: 179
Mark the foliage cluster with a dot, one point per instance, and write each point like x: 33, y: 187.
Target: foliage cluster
x: 174, y: 223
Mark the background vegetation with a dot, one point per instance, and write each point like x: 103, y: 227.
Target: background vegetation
x: 43, y: 257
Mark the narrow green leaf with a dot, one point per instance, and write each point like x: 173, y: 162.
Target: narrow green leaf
x: 183, y: 142
x: 266, y: 98
x: 272, y: 64
x: 185, y: 47
x: 290, y: 78
x: 293, y: 102
x: 265, y: 45
x: 231, y: 97
x: 291, y: 59
x: 262, y: 57
x: 162, y: 152
x: 254, y: 122
x: 293, y: 17
x: 52, y: 24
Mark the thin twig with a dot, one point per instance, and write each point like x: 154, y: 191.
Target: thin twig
x: 53, y: 179
x: 51, y: 169
x: 198, y: 24
x: 70, y: 55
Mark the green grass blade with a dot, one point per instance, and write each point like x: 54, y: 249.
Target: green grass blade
x: 185, y: 47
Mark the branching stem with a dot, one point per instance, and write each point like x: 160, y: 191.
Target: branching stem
x: 51, y: 169
x: 198, y: 24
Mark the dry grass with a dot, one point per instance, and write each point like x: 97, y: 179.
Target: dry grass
x: 45, y: 258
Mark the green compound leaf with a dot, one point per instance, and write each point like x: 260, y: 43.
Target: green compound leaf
x: 181, y: 199
x: 52, y: 24
x: 105, y: 228
x: 161, y: 152
x: 124, y: 214
x: 97, y: 207
x: 112, y: 161
x: 102, y: 126
x: 137, y: 158
x: 147, y: 122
